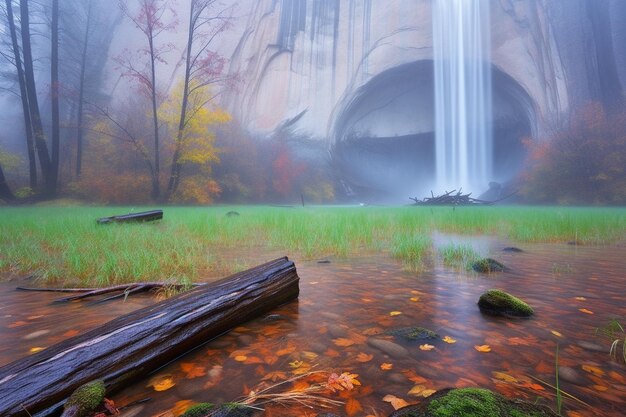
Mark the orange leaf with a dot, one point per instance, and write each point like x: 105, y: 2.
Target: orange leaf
x: 584, y: 310
x: 426, y: 347
x: 161, y: 382
x: 449, y: 339
x: 557, y: 334
x: 593, y: 370
x: 180, y: 407
x: 353, y: 407
x: 71, y: 333
x: 386, y: 366
x: 581, y: 298
x: 192, y: 370
x: 372, y: 331
x: 240, y: 358
x: 286, y: 351
x: 343, y: 342
x: 36, y: 349
x: 332, y: 353
x: 300, y: 386
x: 275, y: 376
x: 395, y: 313
x: 364, y: 357
x: 253, y: 359
x: 395, y: 402
x: 414, y: 299
x: 483, y: 348
x: 17, y: 324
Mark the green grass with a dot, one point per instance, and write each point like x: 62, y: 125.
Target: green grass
x: 458, y: 256
x: 64, y: 244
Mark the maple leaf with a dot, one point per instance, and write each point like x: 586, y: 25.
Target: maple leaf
x: 161, y: 382
x: 274, y: 376
x: 345, y: 381
x: 395, y: 402
x: 386, y: 366
x: 343, y: 342
x: 364, y: 357
x: 353, y: 407
x: 593, y: 370
x: 296, y: 364
x: 483, y: 348
x: 192, y: 370
x: 426, y: 347
x: 449, y: 339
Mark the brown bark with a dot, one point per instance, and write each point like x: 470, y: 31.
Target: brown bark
x: 133, y: 345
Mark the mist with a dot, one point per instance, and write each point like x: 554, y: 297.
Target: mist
x: 320, y: 101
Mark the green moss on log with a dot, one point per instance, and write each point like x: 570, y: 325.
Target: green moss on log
x: 86, y: 398
x: 199, y: 410
x: 498, y: 302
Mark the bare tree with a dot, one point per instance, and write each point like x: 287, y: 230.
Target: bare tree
x: 152, y: 20
x: 54, y: 96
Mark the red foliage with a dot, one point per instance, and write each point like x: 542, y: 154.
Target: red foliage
x: 583, y: 163
x: 285, y: 170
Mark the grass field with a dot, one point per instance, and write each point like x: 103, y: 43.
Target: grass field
x: 65, y: 246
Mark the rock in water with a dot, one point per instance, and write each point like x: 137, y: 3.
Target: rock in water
x: 475, y: 402
x: 199, y: 410
x: 392, y: 349
x: 488, y: 265
x: 412, y: 334
x: 500, y: 303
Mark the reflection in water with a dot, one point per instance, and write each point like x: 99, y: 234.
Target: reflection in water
x: 344, y: 311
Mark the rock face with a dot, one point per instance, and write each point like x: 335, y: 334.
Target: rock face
x: 357, y: 75
x: 498, y: 302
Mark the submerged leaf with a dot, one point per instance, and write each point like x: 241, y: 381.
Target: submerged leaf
x: 395, y: 402
x: 395, y: 313
x: 483, y: 348
x: 386, y: 366
x: 448, y: 339
x: 364, y: 357
x: 584, y: 310
x: 426, y: 347
x: 161, y: 382
x: 343, y: 342
x: 353, y: 407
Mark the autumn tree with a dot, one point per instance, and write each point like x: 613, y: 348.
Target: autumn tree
x: 153, y: 19
x: 204, y: 68
x: 583, y: 163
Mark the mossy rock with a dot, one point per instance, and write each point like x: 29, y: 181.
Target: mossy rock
x: 414, y: 333
x: 500, y: 303
x: 232, y: 410
x: 85, y: 398
x: 488, y: 265
x: 472, y: 402
x: 199, y: 410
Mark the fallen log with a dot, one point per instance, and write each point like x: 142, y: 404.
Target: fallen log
x: 144, y: 216
x: 133, y: 345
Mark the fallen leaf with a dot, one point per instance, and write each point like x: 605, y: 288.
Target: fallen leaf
x: 296, y: 364
x: 483, y: 348
x: 331, y: 353
x: 192, y: 370
x: 239, y: 352
x: 71, y: 333
x: 251, y: 360
x: 518, y: 341
x: 161, y: 382
x: 428, y: 392
x: 240, y: 358
x: 180, y: 407
x: 286, y: 351
x: 448, y: 339
x: 504, y: 377
x: 584, y: 310
x: 386, y: 366
x: 300, y: 386
x: 17, y: 324
x: 36, y: 349
x: 416, y: 390
x: 414, y: 377
x: 275, y: 376
x: 581, y: 298
x: 364, y: 357
x: 426, y: 347
x: 395, y: 402
x: 593, y: 370
x: 343, y: 342
x: 372, y: 331
x: 557, y: 334
x: 395, y: 313
x: 353, y: 407
x: 414, y: 299
x: 309, y: 355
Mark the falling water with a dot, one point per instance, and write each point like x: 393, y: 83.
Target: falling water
x: 462, y: 94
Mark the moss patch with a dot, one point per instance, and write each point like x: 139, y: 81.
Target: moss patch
x: 86, y: 398
x: 414, y: 333
x: 199, y: 410
x: 472, y: 402
x: 498, y: 302
x: 488, y: 265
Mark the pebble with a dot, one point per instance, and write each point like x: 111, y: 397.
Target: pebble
x: 392, y: 349
x: 571, y: 375
x: 36, y: 334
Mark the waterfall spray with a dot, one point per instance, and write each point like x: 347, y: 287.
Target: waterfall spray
x: 463, y: 112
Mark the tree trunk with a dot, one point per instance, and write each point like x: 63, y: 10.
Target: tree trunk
x: 81, y: 95
x: 28, y: 127
x: 33, y: 103
x: 156, y: 187
x: 54, y: 97
x: 133, y: 345
x: 5, y: 191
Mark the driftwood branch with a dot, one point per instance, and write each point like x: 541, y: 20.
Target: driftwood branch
x: 454, y: 198
x: 138, y: 343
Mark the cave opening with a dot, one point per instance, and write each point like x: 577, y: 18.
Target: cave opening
x: 383, y: 138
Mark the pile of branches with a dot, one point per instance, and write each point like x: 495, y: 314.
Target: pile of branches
x: 450, y: 198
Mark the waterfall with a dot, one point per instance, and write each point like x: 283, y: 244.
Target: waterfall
x: 461, y: 40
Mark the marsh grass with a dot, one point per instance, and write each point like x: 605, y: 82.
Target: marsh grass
x: 458, y: 255
x: 616, y: 335
x: 64, y: 245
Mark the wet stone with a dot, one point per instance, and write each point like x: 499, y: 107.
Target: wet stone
x: 488, y: 265
x: 571, y: 375
x: 390, y: 348
x: 331, y: 316
x: 512, y: 249
x: 594, y: 347
x: 412, y: 334
x: 337, y: 331
x: 245, y: 339
x: 397, y: 377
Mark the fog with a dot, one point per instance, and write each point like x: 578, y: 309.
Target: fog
x: 314, y: 101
